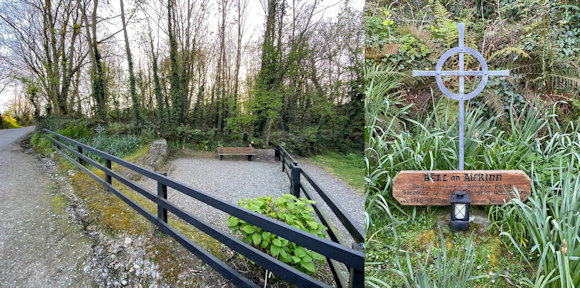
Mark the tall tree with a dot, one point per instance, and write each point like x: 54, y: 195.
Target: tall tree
x: 220, y: 83
x: 161, y: 109
x: 132, y: 89
x: 175, y: 77
x: 241, y: 14
x: 41, y: 42
x: 98, y: 77
x: 266, y: 102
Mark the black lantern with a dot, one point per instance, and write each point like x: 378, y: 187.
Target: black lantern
x: 459, y: 210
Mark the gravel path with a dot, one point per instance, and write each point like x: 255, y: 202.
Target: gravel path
x: 38, y: 247
x: 344, y: 196
x: 235, y: 178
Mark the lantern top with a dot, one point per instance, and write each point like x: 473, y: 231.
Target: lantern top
x: 459, y: 197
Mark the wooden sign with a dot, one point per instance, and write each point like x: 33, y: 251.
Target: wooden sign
x: 486, y: 187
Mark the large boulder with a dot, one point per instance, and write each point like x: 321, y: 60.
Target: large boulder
x: 159, y: 148
x: 153, y: 160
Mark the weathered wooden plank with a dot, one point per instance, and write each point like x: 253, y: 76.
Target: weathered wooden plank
x: 486, y: 187
x: 236, y: 151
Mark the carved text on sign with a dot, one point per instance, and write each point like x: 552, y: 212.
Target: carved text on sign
x: 486, y: 187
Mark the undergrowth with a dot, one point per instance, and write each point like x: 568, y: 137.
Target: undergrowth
x: 534, y: 141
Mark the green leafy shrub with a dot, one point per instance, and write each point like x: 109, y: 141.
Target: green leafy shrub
x: 118, y: 128
x: 75, y: 131
x: 291, y: 210
x: 7, y: 122
x: 185, y: 134
x: 305, y: 142
x: 40, y: 143
x: 412, y: 53
x: 52, y: 123
x: 258, y: 142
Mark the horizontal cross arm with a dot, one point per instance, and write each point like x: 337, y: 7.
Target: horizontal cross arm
x: 423, y: 73
x: 461, y: 73
x: 499, y: 73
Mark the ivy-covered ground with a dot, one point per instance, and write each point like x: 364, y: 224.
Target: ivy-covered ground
x: 528, y: 121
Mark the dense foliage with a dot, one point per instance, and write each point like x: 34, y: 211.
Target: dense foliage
x: 7, y: 122
x: 519, y: 122
x: 298, y: 84
x: 118, y: 139
x: 294, y: 211
x: 537, y: 40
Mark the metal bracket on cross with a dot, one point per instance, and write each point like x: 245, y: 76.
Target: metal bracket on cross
x: 484, y: 73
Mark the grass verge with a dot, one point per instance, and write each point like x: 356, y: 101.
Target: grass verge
x: 349, y: 168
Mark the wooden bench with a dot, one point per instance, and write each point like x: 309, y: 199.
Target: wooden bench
x: 248, y: 151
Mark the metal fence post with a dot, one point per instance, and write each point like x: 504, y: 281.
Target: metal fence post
x: 108, y: 178
x: 295, y: 180
x: 80, y: 149
x: 277, y: 153
x: 162, y: 192
x: 283, y: 161
x: 357, y: 277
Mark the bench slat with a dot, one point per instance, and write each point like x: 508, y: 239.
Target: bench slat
x: 236, y: 151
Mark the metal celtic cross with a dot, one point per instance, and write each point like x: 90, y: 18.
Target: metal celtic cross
x: 484, y: 73
x: 99, y: 129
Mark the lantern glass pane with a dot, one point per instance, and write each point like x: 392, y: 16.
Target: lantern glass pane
x: 459, y: 211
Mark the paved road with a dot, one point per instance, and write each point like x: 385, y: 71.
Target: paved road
x: 9, y: 136
x: 38, y: 247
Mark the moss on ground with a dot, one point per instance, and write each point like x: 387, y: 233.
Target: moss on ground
x: 58, y: 203
x: 115, y: 217
x: 491, y: 255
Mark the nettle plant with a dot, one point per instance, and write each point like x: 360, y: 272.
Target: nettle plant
x: 291, y: 210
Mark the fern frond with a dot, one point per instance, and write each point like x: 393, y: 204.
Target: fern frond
x: 494, y: 101
x: 568, y: 77
x: 440, y: 12
x: 565, y: 77
x: 376, y: 53
x: 510, y: 49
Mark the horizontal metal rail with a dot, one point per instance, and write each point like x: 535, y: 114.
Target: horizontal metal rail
x: 334, y: 235
x: 352, y: 227
x: 234, y: 276
x: 277, y: 267
x: 325, y: 247
x: 293, y: 171
x: 355, y: 231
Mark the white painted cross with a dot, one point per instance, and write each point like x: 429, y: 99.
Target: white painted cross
x: 484, y: 73
x: 99, y: 129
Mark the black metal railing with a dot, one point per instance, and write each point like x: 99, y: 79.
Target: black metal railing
x: 294, y: 173
x: 334, y: 251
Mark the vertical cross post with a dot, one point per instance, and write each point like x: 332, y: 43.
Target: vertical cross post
x: 461, y: 27
x: 357, y: 277
x: 99, y: 129
x: 277, y: 153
